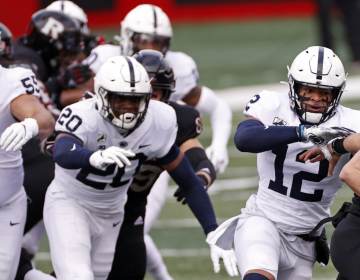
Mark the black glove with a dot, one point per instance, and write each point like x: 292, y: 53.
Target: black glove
x: 179, y: 193
x: 180, y: 196
x: 322, y: 249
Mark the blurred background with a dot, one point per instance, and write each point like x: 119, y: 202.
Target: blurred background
x: 241, y: 47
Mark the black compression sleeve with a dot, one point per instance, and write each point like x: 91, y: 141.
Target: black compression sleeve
x: 202, y: 165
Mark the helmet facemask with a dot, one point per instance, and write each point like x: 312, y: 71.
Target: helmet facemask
x: 320, y: 69
x: 146, y: 26
x: 141, y: 41
x: 126, y: 111
x: 298, y: 102
x: 160, y: 73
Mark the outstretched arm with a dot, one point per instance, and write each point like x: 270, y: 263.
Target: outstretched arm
x: 179, y: 168
x: 254, y: 137
x: 207, y: 102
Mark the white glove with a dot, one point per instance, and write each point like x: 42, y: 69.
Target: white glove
x: 322, y: 135
x: 218, y: 157
x: 228, y: 257
x: 17, y: 134
x: 103, y: 158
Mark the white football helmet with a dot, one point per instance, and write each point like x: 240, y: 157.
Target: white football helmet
x: 124, y: 79
x: 72, y: 10
x: 145, y: 22
x: 317, y: 67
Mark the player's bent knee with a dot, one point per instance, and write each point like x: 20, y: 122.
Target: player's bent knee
x: 256, y: 276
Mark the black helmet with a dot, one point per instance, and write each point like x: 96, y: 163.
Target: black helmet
x: 51, y: 32
x: 159, y: 71
x: 5, y: 41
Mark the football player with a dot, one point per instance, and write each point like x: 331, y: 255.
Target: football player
x: 148, y: 27
x: 38, y: 172
x: 129, y: 261
x: 77, y: 77
x: 272, y: 238
x: 345, y: 239
x: 101, y: 143
x: 22, y: 118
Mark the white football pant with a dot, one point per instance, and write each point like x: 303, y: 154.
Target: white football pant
x: 82, y: 242
x: 259, y: 245
x: 12, y: 223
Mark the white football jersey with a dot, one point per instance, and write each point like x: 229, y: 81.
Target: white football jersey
x: 100, y: 54
x: 184, y: 67
x: 185, y: 71
x: 107, y: 190
x: 13, y: 82
x: 293, y: 194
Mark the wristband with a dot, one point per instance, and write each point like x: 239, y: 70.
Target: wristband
x: 338, y: 146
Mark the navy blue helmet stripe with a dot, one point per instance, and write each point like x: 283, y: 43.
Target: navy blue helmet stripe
x: 155, y: 18
x: 320, y: 63
x: 132, y: 73
x: 62, y: 7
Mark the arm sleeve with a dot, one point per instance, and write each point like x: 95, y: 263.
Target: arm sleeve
x: 195, y: 194
x: 202, y: 165
x: 220, y: 116
x: 252, y: 136
x: 69, y: 153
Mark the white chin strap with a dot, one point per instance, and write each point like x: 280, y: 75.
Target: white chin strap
x: 312, y: 117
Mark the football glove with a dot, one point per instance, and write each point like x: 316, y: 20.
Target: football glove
x: 112, y: 155
x: 179, y: 193
x: 321, y: 135
x: 17, y: 134
x: 219, y: 158
x: 228, y: 257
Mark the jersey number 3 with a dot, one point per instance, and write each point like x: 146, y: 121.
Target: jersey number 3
x: 295, y: 191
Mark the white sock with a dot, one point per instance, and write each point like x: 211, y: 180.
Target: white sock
x: 154, y: 262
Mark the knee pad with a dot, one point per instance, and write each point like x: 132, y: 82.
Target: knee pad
x: 255, y: 276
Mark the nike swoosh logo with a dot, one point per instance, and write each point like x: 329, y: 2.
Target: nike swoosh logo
x: 13, y: 224
x: 115, y: 224
x: 73, y: 148
x: 143, y: 146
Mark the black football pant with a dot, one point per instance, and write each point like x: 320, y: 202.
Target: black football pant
x: 345, y: 245
x: 130, y: 254
x: 39, y: 172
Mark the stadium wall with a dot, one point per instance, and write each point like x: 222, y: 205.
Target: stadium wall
x: 104, y: 13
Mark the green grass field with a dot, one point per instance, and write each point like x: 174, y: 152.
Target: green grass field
x: 230, y: 54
